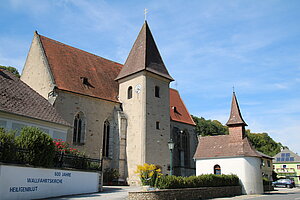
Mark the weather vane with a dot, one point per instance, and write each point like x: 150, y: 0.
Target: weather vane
x: 233, y: 88
x: 145, y: 13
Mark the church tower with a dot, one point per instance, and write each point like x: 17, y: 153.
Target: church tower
x: 144, y: 94
x: 236, y: 124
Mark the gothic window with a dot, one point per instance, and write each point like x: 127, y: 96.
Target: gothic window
x: 129, y: 92
x: 217, y: 170
x: 157, y: 91
x: 79, y: 129
x: 105, y: 148
x: 183, y: 148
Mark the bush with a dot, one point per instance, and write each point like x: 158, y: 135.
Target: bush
x: 7, y: 145
x: 266, y: 181
x: 110, y: 175
x: 40, y: 147
x: 149, y: 174
x: 207, y: 180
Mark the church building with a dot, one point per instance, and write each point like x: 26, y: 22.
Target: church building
x: 232, y: 154
x: 125, y: 114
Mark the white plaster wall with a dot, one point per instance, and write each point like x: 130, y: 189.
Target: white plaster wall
x: 246, y: 168
x: 15, y: 184
x: 15, y: 122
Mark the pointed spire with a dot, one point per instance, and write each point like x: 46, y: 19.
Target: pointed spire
x: 144, y: 55
x: 235, y: 114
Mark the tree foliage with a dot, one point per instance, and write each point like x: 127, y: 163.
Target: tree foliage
x: 209, y: 127
x: 261, y: 141
x: 264, y: 143
x: 11, y: 69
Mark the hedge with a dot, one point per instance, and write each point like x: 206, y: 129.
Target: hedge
x: 207, y: 180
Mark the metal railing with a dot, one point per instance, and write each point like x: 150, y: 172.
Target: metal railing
x: 61, y: 160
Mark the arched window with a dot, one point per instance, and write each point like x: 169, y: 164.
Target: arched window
x: 129, y: 92
x: 79, y: 129
x: 217, y: 170
x: 157, y: 91
x: 105, y: 147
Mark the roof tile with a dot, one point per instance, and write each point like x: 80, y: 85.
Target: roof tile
x: 18, y: 98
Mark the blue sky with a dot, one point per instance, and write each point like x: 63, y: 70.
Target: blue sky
x: 208, y: 46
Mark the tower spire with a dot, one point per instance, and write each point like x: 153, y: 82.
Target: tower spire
x: 144, y: 55
x: 235, y: 114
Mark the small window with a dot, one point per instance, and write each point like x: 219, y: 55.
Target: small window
x: 217, y: 170
x: 269, y: 163
x: 157, y: 91
x: 283, y: 155
x: 284, y: 166
x: 277, y: 159
x: 292, y: 159
x: 157, y: 125
x: 298, y: 166
x: 287, y: 155
x: 129, y: 92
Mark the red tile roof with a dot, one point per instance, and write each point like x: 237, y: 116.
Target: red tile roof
x: 224, y: 146
x: 81, y: 72
x: 18, y: 98
x: 144, y: 55
x: 178, y: 111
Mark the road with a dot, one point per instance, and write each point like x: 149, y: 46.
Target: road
x: 279, y: 194
x: 121, y: 193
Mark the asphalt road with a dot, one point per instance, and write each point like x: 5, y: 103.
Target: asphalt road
x: 279, y: 194
x: 121, y: 193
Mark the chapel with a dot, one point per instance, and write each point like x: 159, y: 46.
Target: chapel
x: 233, y: 154
x: 123, y: 114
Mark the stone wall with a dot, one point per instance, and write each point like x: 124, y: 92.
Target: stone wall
x: 187, y: 193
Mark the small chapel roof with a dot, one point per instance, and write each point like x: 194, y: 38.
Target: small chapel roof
x: 144, y: 55
x: 16, y: 97
x: 178, y: 111
x: 235, y: 113
x: 224, y: 146
x: 81, y: 72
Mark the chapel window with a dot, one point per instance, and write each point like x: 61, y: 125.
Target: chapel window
x: 79, y: 129
x: 157, y: 91
x: 105, y: 147
x: 217, y: 170
x: 129, y: 92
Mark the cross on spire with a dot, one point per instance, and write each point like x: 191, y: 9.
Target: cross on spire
x: 145, y: 13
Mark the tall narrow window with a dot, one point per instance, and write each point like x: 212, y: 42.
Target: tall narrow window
x: 157, y: 126
x: 105, y: 148
x: 79, y: 129
x: 157, y: 91
x: 129, y: 92
x: 217, y: 169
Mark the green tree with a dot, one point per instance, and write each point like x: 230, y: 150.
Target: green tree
x: 11, y: 69
x: 209, y: 127
x: 264, y: 143
x: 40, y: 146
x: 261, y: 141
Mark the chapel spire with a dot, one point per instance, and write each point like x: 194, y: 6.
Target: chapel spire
x: 144, y: 55
x: 235, y: 114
